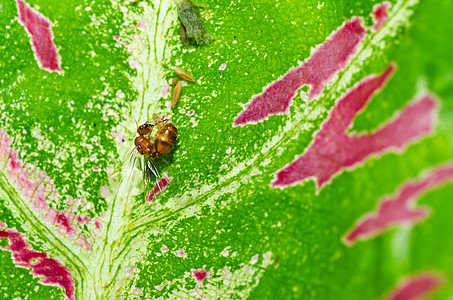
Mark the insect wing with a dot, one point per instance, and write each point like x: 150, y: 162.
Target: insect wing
x: 154, y: 180
x: 119, y: 167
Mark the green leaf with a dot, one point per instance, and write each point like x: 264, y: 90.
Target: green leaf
x: 223, y: 228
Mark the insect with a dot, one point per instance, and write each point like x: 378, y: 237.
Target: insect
x: 176, y: 94
x: 142, y: 143
x: 178, y: 86
x: 164, y: 139
x: 182, y: 33
x: 151, y: 149
x: 193, y: 23
x: 145, y: 128
x: 183, y: 74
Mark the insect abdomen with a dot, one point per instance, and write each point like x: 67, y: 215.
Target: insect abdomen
x: 165, y: 138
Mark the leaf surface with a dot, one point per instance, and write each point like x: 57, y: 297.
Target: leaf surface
x: 75, y: 75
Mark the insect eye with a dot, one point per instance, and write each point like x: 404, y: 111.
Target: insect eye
x: 141, y: 127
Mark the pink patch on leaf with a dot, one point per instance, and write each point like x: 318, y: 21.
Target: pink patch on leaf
x: 141, y: 25
x: 200, y: 275
x: 333, y: 150
x: 118, y: 137
x: 41, y: 37
x: 37, y: 187
x: 416, y: 287
x: 133, y: 63
x: 165, y: 90
x: 399, y: 209
x: 104, y: 191
x: 180, y: 253
x: 51, y: 271
x: 380, y: 14
x: 158, y: 187
x: 316, y: 71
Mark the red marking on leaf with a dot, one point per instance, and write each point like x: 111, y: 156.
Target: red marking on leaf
x: 62, y: 220
x: 36, y: 186
x: 327, y: 60
x: 41, y: 37
x: 98, y: 224
x: 199, y: 275
x: 380, y: 14
x: 416, y: 287
x: 399, y: 209
x: 158, y: 187
x: 52, y: 271
x: 333, y: 150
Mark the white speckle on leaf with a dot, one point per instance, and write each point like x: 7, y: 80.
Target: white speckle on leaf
x: 120, y: 94
x: 231, y: 285
x: 254, y: 259
x: 267, y: 259
x: 225, y: 252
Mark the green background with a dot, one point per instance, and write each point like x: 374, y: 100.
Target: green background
x: 258, y: 42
